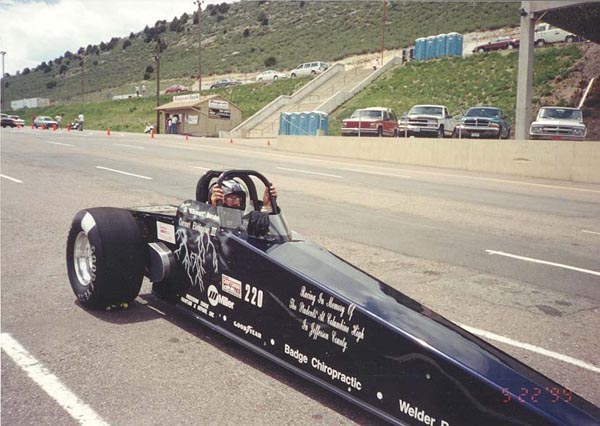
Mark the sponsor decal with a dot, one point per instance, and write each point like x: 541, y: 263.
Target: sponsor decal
x: 196, y: 253
x: 165, y: 232
x: 335, y: 375
x: 231, y: 285
x: 418, y: 414
x: 203, y: 214
x: 215, y: 298
x: 248, y: 329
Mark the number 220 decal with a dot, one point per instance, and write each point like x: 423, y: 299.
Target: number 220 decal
x: 253, y: 295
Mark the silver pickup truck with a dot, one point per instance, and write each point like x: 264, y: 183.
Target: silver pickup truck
x: 426, y: 120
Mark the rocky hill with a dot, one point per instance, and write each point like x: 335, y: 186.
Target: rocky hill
x: 248, y: 36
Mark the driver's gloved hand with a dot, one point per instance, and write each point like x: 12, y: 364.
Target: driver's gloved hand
x: 258, y: 224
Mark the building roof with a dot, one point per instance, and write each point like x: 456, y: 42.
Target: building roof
x: 191, y: 103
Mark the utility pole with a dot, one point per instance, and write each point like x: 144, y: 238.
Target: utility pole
x: 2, y: 52
x: 82, y: 65
x: 157, y: 59
x: 384, y: 17
x: 199, y: 3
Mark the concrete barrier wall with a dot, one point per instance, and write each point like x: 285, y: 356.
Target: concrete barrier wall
x: 565, y: 160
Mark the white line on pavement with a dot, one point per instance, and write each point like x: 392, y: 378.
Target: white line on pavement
x: 123, y: 173
x: 59, y: 143
x: 310, y: 173
x: 372, y: 173
x: 76, y: 408
x: 590, y: 232
x: 565, y: 358
x: 201, y: 168
x: 543, y: 262
x: 11, y: 178
x: 128, y: 146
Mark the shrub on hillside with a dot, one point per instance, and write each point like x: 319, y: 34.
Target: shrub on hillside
x: 51, y: 84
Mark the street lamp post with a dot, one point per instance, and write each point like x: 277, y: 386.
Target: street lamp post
x: 384, y: 17
x: 199, y: 4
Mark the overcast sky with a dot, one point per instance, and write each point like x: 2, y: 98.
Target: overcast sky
x: 33, y: 31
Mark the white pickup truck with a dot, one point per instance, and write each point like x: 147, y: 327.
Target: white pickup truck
x: 546, y: 33
x: 426, y: 120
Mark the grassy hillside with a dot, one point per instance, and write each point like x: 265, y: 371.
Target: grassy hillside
x: 240, y: 37
x: 489, y: 79
x: 458, y: 83
x: 131, y: 115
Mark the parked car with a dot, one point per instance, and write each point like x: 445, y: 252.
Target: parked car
x: 270, y: 75
x: 18, y: 120
x: 44, y: 121
x: 309, y: 68
x: 226, y: 82
x: 483, y: 122
x: 558, y: 123
x: 546, y: 33
x: 375, y: 121
x: 498, y: 44
x: 7, y: 121
x: 426, y: 120
x: 176, y: 88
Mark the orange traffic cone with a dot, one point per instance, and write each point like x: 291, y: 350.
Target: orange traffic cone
x: 231, y: 140
x: 68, y: 127
x: 187, y: 137
x: 269, y: 142
x: 54, y: 127
x: 43, y: 127
x: 108, y: 131
x: 152, y: 134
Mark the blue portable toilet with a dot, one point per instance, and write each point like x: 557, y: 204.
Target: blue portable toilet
x: 314, y: 120
x: 284, y: 123
x: 440, y: 45
x: 420, y: 49
x: 454, y: 44
x: 323, y: 122
x: 293, y: 123
x: 303, y: 123
x: 430, y: 47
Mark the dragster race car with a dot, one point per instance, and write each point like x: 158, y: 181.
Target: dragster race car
x: 245, y: 274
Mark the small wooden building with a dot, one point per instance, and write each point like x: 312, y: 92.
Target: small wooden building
x: 197, y: 116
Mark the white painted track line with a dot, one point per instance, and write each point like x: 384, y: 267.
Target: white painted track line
x: 123, y: 173
x: 11, y: 179
x: 310, y: 173
x: 564, y: 358
x: 590, y: 232
x: 543, y: 262
x: 60, y: 143
x: 347, y: 169
x: 50, y: 384
x: 128, y: 146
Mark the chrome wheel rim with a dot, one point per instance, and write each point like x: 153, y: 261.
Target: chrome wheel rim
x: 84, y: 259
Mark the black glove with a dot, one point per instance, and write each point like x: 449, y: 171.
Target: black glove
x: 258, y: 224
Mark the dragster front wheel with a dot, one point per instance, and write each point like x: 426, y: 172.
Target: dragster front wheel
x: 105, y: 257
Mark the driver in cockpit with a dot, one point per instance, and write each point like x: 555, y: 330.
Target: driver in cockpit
x: 232, y: 194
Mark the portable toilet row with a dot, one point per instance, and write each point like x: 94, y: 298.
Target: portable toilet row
x: 438, y: 46
x: 311, y: 123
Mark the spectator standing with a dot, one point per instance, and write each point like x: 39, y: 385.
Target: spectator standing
x: 143, y: 90
x: 375, y: 64
x: 81, y: 119
x: 137, y: 90
x: 169, y: 125
x: 58, y: 120
x: 174, y: 124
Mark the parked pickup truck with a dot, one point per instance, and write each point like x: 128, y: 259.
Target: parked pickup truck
x: 558, y: 123
x: 426, y: 120
x: 546, y: 33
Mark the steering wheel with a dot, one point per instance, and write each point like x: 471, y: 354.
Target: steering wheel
x: 244, y: 174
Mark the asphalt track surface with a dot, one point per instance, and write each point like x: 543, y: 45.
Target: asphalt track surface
x: 515, y: 258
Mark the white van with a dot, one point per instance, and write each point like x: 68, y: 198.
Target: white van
x: 309, y: 68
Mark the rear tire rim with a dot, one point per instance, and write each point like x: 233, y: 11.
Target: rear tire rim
x: 84, y: 259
